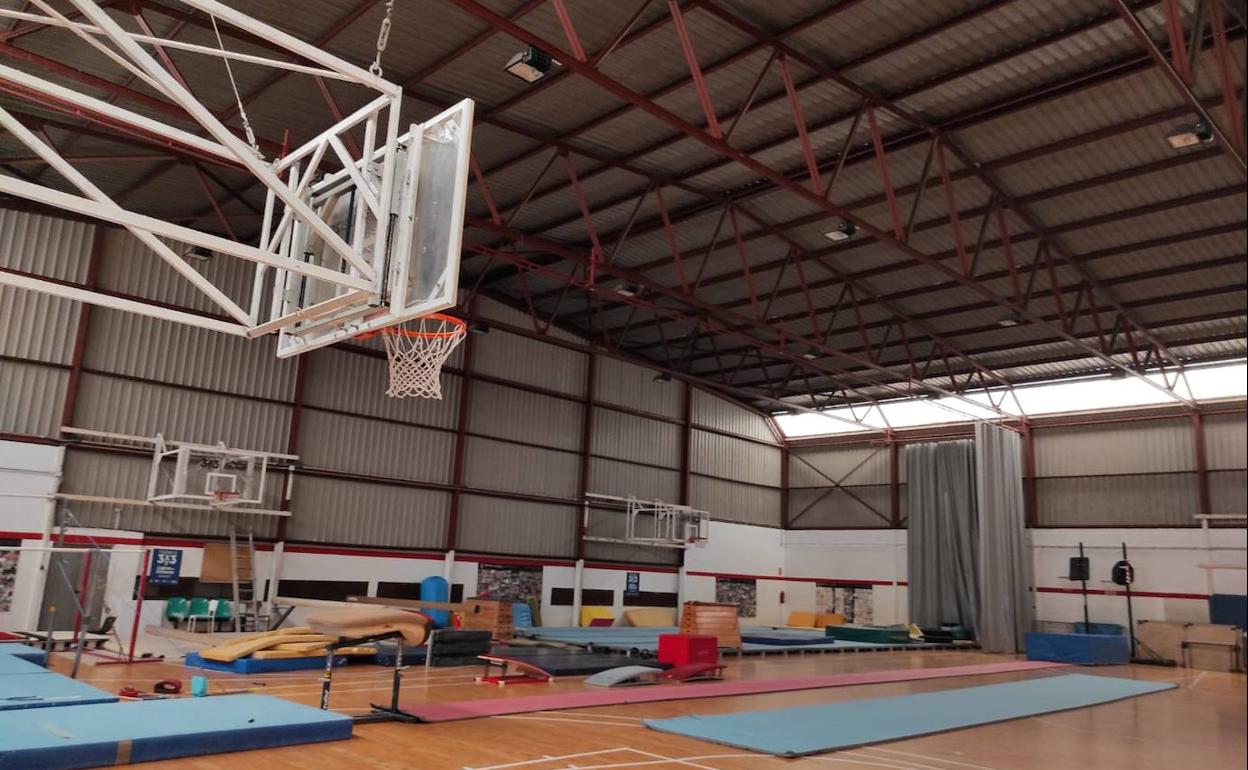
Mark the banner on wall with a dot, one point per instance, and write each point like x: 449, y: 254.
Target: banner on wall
x: 509, y: 583
x: 166, y: 567
x: 632, y: 584
x: 8, y: 577
x: 743, y: 593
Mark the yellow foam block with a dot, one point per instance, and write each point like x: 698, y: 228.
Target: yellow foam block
x: 829, y: 619
x: 305, y: 646
x: 651, y: 617
x: 228, y: 653
x: 801, y: 619
x: 316, y: 653
x: 360, y: 622
x: 595, y: 613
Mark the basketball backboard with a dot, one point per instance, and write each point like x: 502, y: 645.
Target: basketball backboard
x: 211, y: 475
x: 632, y: 521
x: 361, y: 226
x: 412, y: 243
x: 195, y: 476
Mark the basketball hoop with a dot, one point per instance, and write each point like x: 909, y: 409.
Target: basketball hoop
x: 417, y: 351
x: 224, y: 497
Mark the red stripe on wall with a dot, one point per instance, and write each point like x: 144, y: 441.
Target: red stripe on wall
x: 792, y: 579
x: 1116, y: 592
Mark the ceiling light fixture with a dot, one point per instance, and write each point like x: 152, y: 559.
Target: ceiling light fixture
x: 629, y: 290
x: 1189, y: 135
x: 663, y: 377
x: 1010, y: 321
x: 197, y: 254
x: 843, y: 232
x: 478, y: 327
x: 530, y: 65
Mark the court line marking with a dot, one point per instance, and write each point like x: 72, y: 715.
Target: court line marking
x: 930, y: 758
x: 548, y: 758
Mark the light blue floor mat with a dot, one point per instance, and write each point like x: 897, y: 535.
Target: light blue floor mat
x: 117, y: 733
x: 44, y: 689
x: 794, y: 732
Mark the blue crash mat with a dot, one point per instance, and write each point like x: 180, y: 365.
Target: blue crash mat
x: 260, y: 666
x: 794, y: 732
x: 117, y: 733
x: 44, y: 689
x: 1080, y: 649
x: 12, y: 664
x: 23, y: 651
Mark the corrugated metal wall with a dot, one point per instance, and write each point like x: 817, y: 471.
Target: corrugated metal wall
x: 33, y: 397
x: 1123, y: 472
x: 376, y: 471
x: 36, y: 328
x: 381, y: 471
x: 1136, y: 473
x: 841, y: 487
x: 1226, y: 451
x: 499, y: 525
x: 334, y: 510
x: 711, y: 411
x: 735, y: 461
x: 624, y: 384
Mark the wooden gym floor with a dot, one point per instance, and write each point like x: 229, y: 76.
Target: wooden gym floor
x: 1200, y: 725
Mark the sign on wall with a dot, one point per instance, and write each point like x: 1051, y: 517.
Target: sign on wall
x: 166, y: 567
x: 632, y: 584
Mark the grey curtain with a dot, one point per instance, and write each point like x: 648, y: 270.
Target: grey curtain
x: 943, y: 537
x: 1005, y: 599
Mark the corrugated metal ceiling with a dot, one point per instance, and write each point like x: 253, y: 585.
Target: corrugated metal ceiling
x: 1054, y: 98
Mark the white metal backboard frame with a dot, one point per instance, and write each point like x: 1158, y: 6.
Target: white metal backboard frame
x: 385, y: 192
x: 651, y: 522
x: 188, y: 475
x: 415, y: 240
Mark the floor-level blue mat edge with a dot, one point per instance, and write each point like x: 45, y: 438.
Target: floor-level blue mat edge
x: 262, y: 666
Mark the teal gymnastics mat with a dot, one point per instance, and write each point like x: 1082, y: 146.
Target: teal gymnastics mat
x: 794, y: 732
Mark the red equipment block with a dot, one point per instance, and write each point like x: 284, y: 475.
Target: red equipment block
x: 683, y: 649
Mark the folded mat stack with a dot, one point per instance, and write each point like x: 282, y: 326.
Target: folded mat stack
x: 285, y: 649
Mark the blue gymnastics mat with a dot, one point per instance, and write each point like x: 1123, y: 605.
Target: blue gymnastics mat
x: 45, y: 689
x: 795, y: 732
x: 119, y: 733
x: 258, y: 666
x: 12, y: 664
x: 1080, y: 649
x: 632, y: 639
x: 23, y: 651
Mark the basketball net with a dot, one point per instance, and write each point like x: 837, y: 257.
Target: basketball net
x: 417, y: 351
